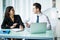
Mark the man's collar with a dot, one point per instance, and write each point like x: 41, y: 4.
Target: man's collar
x: 39, y: 14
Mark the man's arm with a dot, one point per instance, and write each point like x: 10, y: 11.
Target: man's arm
x: 49, y: 24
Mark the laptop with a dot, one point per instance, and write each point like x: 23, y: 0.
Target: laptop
x: 36, y: 28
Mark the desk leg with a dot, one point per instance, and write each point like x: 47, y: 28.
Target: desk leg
x: 23, y: 39
x: 5, y: 39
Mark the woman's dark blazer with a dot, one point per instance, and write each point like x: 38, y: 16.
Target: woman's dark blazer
x: 7, y: 22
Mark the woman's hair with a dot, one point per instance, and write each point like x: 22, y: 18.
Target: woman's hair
x: 8, y: 9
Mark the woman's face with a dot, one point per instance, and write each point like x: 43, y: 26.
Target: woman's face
x: 12, y: 11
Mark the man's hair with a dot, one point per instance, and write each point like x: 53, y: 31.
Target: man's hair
x: 37, y: 5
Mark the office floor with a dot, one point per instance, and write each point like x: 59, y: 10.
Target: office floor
x: 1, y: 38
x: 58, y: 38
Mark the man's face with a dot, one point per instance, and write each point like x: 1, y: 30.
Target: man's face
x: 35, y: 10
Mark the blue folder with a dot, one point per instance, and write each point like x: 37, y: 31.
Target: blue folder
x: 5, y: 31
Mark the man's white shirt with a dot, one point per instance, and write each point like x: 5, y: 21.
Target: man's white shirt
x: 42, y: 18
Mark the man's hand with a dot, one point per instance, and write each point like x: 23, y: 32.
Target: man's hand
x: 27, y: 25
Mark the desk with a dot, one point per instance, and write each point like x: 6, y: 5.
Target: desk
x: 26, y: 35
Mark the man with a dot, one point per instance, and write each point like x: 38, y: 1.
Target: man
x: 38, y: 17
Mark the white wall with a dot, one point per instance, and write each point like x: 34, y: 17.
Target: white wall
x: 58, y: 22
x: 1, y: 12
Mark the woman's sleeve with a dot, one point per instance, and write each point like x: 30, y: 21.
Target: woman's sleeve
x: 20, y: 21
x: 4, y: 24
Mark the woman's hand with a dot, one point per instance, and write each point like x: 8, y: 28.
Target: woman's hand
x: 21, y: 27
x: 14, y: 25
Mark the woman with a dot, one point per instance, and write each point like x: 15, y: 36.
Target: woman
x: 11, y: 20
